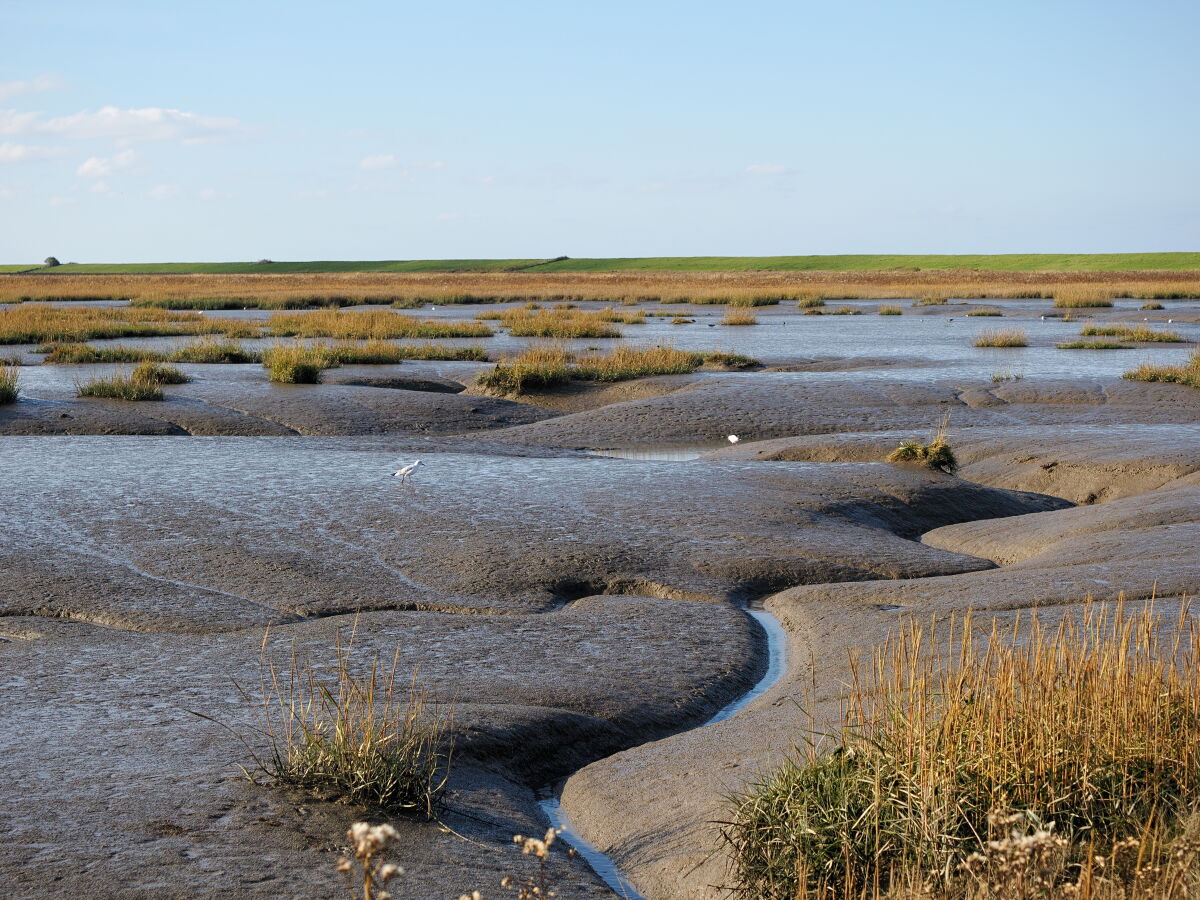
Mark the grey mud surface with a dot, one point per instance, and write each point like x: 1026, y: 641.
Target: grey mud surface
x: 580, y: 615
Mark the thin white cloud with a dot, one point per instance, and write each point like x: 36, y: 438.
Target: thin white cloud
x: 102, y: 188
x: 33, y: 86
x: 766, y: 169
x: 164, y: 192
x: 18, y: 153
x: 207, y: 193
x: 151, y: 123
x: 379, y: 161
x: 103, y: 166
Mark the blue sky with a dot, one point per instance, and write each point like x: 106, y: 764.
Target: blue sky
x: 145, y: 131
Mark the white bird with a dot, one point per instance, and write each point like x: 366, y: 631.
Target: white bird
x: 403, y: 474
x: 733, y: 439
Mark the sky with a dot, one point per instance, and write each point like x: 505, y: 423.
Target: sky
x: 138, y: 131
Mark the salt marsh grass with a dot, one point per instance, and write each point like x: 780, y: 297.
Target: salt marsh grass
x: 1002, y: 337
x: 301, y: 290
x: 1095, y: 345
x: 10, y: 383
x: 298, y: 364
x: 205, y: 350
x: 37, y: 323
x: 739, y: 317
x: 144, y: 383
x: 358, y: 731
x: 984, y: 311
x: 564, y: 322
x: 890, y: 310
x: 369, y: 325
x: 1188, y: 373
x: 548, y: 367
x: 1082, y: 298
x: 1011, y: 763
x: 1138, y: 334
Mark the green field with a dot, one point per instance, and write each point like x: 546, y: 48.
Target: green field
x: 1015, y: 262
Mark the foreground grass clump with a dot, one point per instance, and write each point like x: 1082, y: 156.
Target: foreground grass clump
x: 367, y: 738
x: 890, y: 310
x: 1095, y: 345
x: 739, y: 317
x: 10, y: 379
x: 543, y: 368
x: 143, y: 383
x: 937, y: 454
x: 1188, y: 373
x: 297, y: 364
x: 1002, y: 337
x: 374, y: 324
x: 1138, y: 334
x: 1037, y: 762
x: 212, y: 351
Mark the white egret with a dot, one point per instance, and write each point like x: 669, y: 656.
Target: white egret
x: 405, y: 473
x: 733, y: 438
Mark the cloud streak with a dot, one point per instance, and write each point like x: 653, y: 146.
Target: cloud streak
x: 151, y: 123
x: 37, y: 85
x: 102, y: 166
x: 19, y: 153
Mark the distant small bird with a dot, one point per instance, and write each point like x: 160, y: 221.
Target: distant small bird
x: 733, y: 439
x: 407, y: 471
x: 1043, y: 318
x: 1169, y: 321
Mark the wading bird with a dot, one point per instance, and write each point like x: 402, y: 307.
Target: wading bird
x: 406, y: 472
x: 733, y: 439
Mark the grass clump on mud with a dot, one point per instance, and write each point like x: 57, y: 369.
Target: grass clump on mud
x: 1001, y: 337
x: 374, y: 324
x: 386, y: 352
x: 205, y: 350
x: 1138, y: 334
x: 890, y: 309
x: 544, y: 368
x: 1188, y: 373
x: 984, y: 311
x: 1095, y: 345
x: 1012, y: 763
x: 564, y: 322
x: 10, y: 381
x: 367, y: 738
x: 937, y: 454
x: 739, y: 317
x: 298, y: 364
x: 145, y: 382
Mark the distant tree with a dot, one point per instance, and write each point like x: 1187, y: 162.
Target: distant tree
x: 52, y: 261
x: 263, y: 262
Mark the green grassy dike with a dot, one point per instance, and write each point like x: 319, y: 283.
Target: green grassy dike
x: 1011, y: 262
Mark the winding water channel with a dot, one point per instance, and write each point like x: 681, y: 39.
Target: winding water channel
x: 601, y: 863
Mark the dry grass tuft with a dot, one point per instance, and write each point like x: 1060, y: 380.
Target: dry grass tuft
x: 984, y: 311
x: 1002, y: 337
x: 739, y: 317
x: 297, y: 364
x: 1188, y: 373
x: 1082, y: 298
x: 375, y: 324
x: 544, y: 368
x: 1094, y: 345
x: 368, y: 738
x: 1038, y: 762
x: 145, y: 382
x: 890, y: 310
x: 10, y: 381
x: 563, y: 322
x: 37, y: 323
x: 937, y: 454
x: 1138, y: 334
